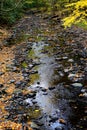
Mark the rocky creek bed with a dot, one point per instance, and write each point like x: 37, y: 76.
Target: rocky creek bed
x: 43, y: 78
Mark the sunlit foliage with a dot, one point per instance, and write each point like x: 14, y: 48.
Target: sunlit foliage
x: 78, y: 14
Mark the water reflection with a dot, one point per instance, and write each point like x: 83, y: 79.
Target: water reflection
x: 51, y: 102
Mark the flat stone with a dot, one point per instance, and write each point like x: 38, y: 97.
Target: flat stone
x: 12, y: 81
x: 61, y: 74
x: 58, y: 59
x: 34, y: 125
x: 18, y: 83
x: 14, y: 69
x: 64, y: 58
x: 83, y: 90
x: 66, y: 70
x: 25, y: 75
x: 71, y: 75
x: 45, y: 93
x: 70, y: 60
x: 30, y: 65
x: 77, y: 85
x: 85, y: 94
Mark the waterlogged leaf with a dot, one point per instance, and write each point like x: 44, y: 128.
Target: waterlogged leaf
x: 62, y: 121
x: 37, y: 110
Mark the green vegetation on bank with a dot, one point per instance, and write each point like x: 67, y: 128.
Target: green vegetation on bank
x: 74, y: 11
x: 11, y: 10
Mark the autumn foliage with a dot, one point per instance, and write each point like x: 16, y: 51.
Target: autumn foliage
x: 78, y: 14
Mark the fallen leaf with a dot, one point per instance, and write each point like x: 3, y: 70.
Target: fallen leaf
x: 62, y: 121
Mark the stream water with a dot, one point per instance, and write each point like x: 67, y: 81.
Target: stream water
x: 55, y: 95
x: 52, y: 94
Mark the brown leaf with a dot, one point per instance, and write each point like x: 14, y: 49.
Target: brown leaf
x: 62, y: 121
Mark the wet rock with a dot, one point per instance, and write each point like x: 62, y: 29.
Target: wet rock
x: 77, y: 85
x: 30, y: 65
x: 29, y: 101
x: 44, y: 89
x: 3, y: 92
x: 58, y: 128
x: 34, y: 102
x: 58, y: 59
x: 14, y: 69
x: 18, y: 91
x: 38, y: 83
x: 45, y: 93
x: 83, y: 90
x: 1, y: 85
x: 34, y: 126
x: 26, y: 71
x: 65, y: 58
x: 9, y: 66
x: 70, y: 60
x: 52, y: 87
x: 66, y: 70
x: 61, y: 73
x: 85, y: 95
x: 34, y: 72
x: 12, y: 81
x: 27, y: 79
x: 31, y: 95
x: 25, y: 75
x: 18, y: 83
x: 53, y: 118
x: 71, y: 75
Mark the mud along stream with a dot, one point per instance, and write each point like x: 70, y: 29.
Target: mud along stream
x: 52, y: 94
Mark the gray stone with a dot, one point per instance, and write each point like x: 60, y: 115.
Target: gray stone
x: 12, y: 81
x: 61, y: 73
x: 77, y: 85
x: 85, y: 94
x: 70, y: 60
x: 64, y: 58
x: 71, y: 75
x: 34, y: 125
x: 66, y: 70
x: 83, y: 90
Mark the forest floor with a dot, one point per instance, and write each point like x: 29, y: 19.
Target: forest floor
x: 43, y: 75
